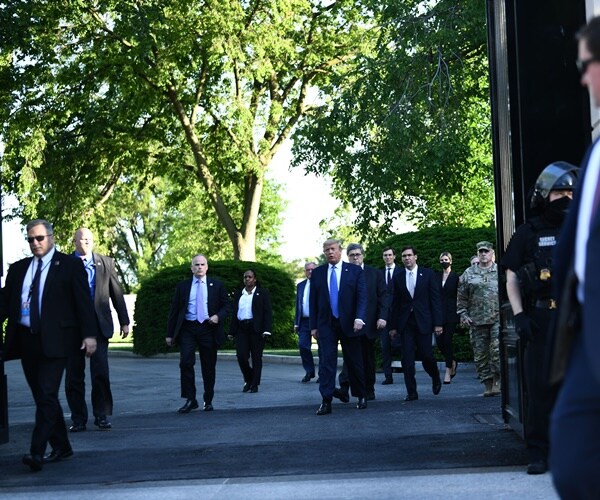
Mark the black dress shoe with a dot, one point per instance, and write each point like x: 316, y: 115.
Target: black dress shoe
x: 388, y: 381
x: 208, y: 407
x: 325, y: 408
x: 102, y: 423
x: 436, y: 386
x: 343, y: 396
x: 190, y: 404
x: 254, y: 388
x: 308, y: 377
x: 362, y: 404
x: 57, y: 455
x: 77, y: 428
x: 246, y: 387
x: 35, y: 462
x: 411, y: 397
x: 538, y: 467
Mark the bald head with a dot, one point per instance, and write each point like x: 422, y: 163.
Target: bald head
x: 83, y: 241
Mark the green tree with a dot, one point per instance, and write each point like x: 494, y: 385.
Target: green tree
x: 405, y: 129
x: 98, y: 92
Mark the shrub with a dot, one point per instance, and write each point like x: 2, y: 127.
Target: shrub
x: 431, y: 242
x: 154, y: 302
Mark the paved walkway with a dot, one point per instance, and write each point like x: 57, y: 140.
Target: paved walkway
x: 271, y: 445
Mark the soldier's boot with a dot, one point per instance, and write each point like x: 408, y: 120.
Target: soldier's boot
x: 496, y: 386
x: 489, y: 384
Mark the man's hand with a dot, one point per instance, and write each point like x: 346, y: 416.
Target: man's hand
x: 124, y: 331
x: 465, y: 320
x: 523, y: 326
x: 89, y: 345
x: 358, y: 324
x: 214, y: 319
x: 314, y: 334
x: 392, y: 333
x: 381, y: 324
x: 169, y: 341
x: 438, y: 330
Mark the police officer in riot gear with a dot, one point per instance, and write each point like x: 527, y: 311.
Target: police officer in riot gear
x: 528, y: 264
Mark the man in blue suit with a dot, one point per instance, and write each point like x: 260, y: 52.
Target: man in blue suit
x: 338, y: 303
x: 574, y: 429
x: 301, y: 323
x: 416, y: 314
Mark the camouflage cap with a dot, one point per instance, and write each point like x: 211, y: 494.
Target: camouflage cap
x: 485, y: 244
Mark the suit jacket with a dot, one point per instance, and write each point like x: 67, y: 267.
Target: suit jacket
x: 299, y: 298
x: 563, y: 263
x: 378, y: 300
x: 352, y: 299
x: 262, y: 311
x: 449, y: 296
x: 67, y: 312
x: 107, y: 287
x: 426, y: 303
x: 217, y: 301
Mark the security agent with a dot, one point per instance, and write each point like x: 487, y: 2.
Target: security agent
x: 529, y: 274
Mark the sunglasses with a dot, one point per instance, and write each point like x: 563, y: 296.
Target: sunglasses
x: 582, y: 65
x: 31, y: 239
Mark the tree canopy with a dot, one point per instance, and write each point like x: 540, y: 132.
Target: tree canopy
x: 99, y: 94
x: 405, y: 129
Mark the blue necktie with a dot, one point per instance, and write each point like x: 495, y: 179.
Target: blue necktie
x: 333, y: 293
x: 200, y: 316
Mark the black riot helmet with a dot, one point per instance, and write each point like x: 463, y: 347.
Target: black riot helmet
x: 557, y: 176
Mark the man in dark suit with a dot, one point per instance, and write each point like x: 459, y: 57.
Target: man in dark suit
x: 104, y: 287
x: 387, y: 349
x: 199, y: 306
x: 251, y: 324
x: 50, y: 315
x: 378, y: 304
x: 416, y: 315
x: 574, y: 429
x: 338, y: 303
x: 301, y: 326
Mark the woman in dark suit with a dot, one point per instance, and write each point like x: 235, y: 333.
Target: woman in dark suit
x: 250, y: 325
x: 449, y: 283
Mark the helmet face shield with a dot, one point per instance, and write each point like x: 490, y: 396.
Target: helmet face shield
x: 557, y: 176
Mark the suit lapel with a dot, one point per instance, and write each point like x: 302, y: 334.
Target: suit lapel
x: 53, y: 270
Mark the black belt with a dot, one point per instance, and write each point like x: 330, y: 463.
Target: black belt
x: 196, y: 322
x: 245, y: 321
x: 24, y: 329
x: 546, y: 304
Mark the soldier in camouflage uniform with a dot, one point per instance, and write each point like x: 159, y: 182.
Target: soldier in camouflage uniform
x: 478, y: 308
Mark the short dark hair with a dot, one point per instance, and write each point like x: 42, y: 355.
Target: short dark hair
x: 591, y: 34
x: 409, y: 247
x: 389, y: 248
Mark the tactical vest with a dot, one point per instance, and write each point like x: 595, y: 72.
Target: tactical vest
x: 535, y: 276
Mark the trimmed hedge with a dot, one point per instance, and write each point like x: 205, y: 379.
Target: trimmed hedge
x: 154, y: 302
x: 431, y: 242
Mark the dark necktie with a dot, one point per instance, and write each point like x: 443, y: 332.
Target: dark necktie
x: 389, y: 277
x: 34, y: 305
